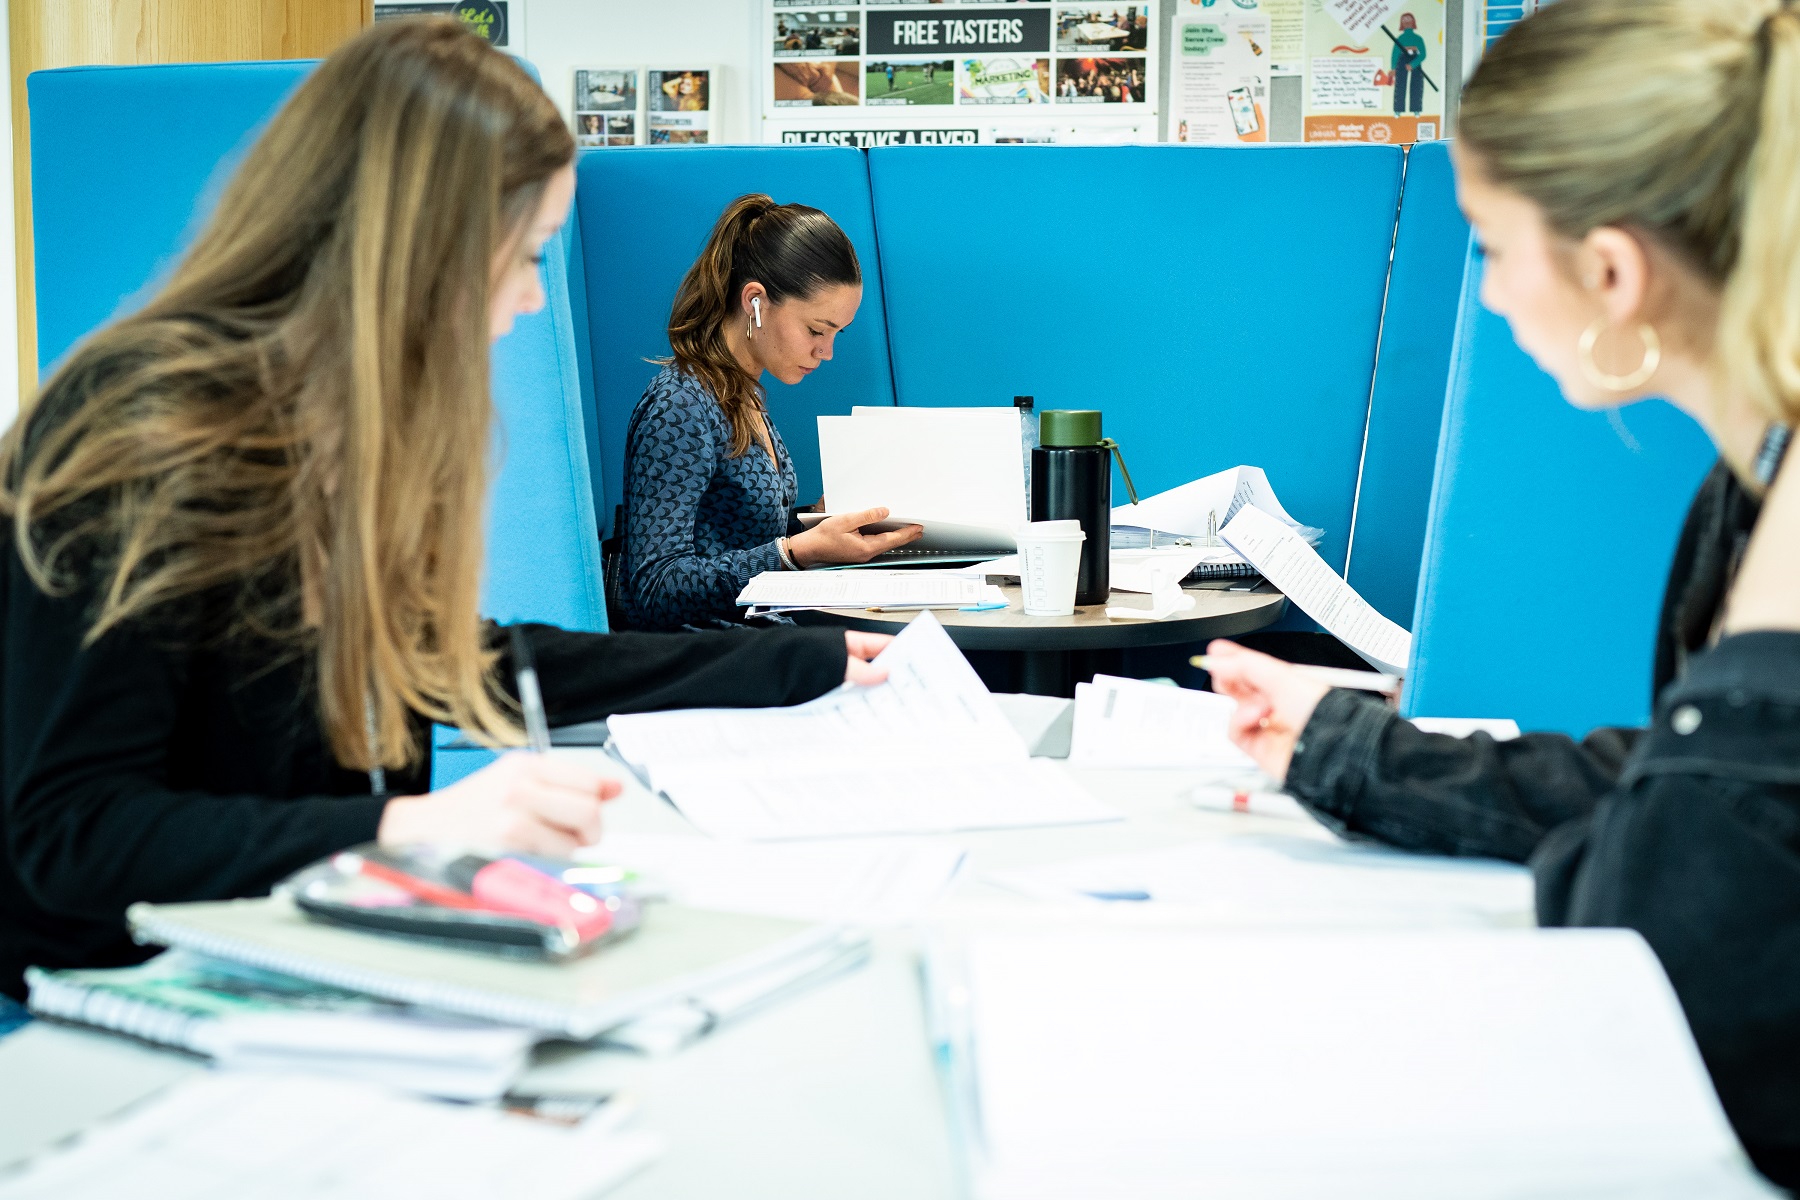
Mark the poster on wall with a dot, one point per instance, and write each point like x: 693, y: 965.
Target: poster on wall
x: 906, y: 68
x: 1374, y: 70
x: 1220, y: 70
x: 680, y: 106
x: 606, y: 106
x: 492, y: 19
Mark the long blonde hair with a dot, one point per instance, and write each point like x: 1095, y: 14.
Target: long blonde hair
x: 1675, y: 118
x: 292, y: 435
x: 793, y: 251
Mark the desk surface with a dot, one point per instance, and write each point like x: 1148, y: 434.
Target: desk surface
x: 1216, y: 613
x: 829, y: 1093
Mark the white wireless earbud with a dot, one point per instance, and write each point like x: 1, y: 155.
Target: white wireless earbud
x: 756, y: 310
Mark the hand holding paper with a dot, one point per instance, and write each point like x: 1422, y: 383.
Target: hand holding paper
x: 1275, y: 700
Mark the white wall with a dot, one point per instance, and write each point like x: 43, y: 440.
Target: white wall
x: 561, y: 35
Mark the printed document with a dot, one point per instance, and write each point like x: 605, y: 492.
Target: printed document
x: 928, y: 751
x: 1203, y: 507
x: 1290, y: 564
x: 1130, y: 723
x: 961, y: 465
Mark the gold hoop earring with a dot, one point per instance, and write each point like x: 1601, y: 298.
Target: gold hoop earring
x: 1618, y: 383
x: 749, y: 332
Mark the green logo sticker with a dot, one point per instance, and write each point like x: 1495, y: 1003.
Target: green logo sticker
x: 1201, y: 39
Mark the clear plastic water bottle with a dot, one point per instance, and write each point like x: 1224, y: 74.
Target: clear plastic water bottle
x: 1028, y: 434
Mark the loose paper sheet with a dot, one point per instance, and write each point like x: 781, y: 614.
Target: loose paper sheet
x: 1130, y: 723
x: 929, y: 751
x: 1296, y: 568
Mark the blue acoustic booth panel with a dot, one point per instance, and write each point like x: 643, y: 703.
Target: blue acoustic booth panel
x: 1412, y: 373
x: 645, y: 215
x: 1220, y: 306
x: 1548, y: 545
x: 125, y: 161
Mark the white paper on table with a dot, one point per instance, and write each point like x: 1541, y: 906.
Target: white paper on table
x: 1168, y: 1063
x: 862, y: 589
x: 1152, y: 570
x: 929, y: 751
x: 878, y: 884
x: 1204, y: 505
x: 962, y: 465
x: 1290, y: 564
x: 1267, y: 879
x: 235, y: 1133
x: 1501, y: 729
x: 1130, y: 723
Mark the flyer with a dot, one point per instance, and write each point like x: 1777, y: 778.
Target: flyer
x: 1374, y: 70
x: 679, y: 106
x: 1219, y: 92
x: 606, y: 106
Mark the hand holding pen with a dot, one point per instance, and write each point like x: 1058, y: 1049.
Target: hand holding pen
x: 527, y: 801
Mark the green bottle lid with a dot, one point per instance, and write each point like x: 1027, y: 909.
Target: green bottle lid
x: 1069, y: 427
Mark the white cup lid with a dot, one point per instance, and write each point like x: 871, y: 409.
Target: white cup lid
x: 1038, y: 528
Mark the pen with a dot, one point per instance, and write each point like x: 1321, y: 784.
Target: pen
x: 531, y: 700
x: 1363, y: 681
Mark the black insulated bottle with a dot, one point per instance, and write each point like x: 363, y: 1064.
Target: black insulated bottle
x: 1071, y: 480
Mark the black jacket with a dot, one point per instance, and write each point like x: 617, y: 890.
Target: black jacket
x: 137, y: 769
x: 1688, y: 832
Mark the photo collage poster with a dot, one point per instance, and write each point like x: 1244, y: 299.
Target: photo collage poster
x: 947, y: 72
x: 1367, y: 71
x: 638, y: 106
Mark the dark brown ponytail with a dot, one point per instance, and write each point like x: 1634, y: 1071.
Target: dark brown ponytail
x: 790, y: 249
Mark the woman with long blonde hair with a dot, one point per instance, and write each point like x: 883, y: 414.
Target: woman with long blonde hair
x: 1632, y: 168
x: 244, y: 527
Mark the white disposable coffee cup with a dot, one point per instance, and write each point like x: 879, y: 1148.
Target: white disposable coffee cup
x: 1049, y: 561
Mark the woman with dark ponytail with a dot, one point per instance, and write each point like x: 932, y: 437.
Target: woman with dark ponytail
x: 1630, y: 167
x: 709, y: 486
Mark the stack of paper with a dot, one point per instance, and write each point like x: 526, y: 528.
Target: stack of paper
x: 1131, y: 723
x: 1146, y: 1063
x: 929, y: 751
x: 254, y: 1134
x: 789, y: 591
x: 1288, y: 880
x: 1196, y: 512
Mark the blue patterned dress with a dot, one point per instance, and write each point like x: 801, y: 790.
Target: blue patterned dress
x: 698, y: 523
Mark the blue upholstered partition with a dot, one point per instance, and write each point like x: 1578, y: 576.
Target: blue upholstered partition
x: 645, y: 214
x: 1411, y: 375
x: 124, y: 160
x: 1549, y: 540
x: 1219, y: 305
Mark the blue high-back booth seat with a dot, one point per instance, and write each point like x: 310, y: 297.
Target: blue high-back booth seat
x: 111, y: 214
x: 1411, y: 375
x: 645, y: 216
x: 1219, y: 306
x: 1549, y: 542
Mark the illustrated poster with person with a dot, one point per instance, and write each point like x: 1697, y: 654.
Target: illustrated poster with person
x: 1375, y: 71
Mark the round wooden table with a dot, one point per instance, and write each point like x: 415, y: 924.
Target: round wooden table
x: 1046, y: 644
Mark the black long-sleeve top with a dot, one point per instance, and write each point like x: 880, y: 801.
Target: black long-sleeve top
x: 1688, y: 832
x: 150, y: 766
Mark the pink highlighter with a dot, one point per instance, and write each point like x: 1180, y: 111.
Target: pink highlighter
x: 508, y: 885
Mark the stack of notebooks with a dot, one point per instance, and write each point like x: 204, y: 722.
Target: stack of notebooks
x: 256, y: 984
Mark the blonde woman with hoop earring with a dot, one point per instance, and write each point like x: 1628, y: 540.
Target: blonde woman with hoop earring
x: 1628, y: 166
